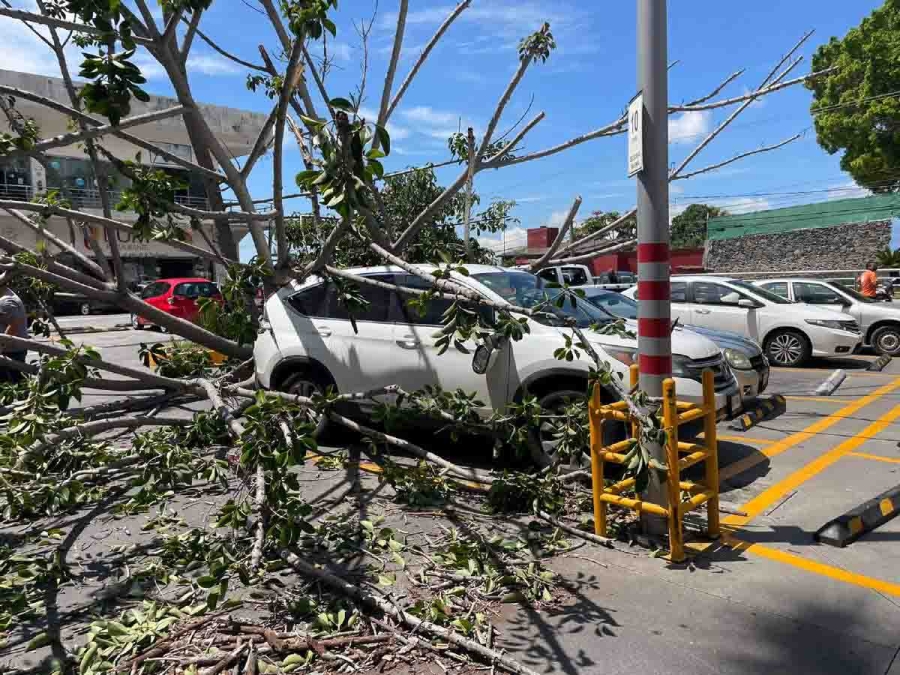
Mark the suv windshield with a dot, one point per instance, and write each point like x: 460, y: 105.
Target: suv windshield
x: 852, y: 292
x: 761, y: 292
x: 527, y: 290
x: 615, y: 303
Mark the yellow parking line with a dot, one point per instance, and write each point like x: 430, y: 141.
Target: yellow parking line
x: 744, y: 439
x: 877, y: 458
x: 781, y: 489
x: 812, y: 566
x: 809, y: 432
x: 820, y: 399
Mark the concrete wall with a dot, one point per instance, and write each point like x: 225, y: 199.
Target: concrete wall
x: 841, y: 247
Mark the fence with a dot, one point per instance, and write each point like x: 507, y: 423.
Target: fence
x: 679, y: 456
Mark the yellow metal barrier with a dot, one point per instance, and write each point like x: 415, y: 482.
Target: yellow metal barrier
x: 679, y: 456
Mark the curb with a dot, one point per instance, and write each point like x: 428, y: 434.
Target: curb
x: 831, y: 383
x: 852, y: 525
x: 766, y: 408
x: 879, y: 364
x: 75, y: 330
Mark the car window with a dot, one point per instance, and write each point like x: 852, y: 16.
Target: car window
x: 186, y: 290
x: 379, y: 299
x: 678, y: 291
x: 759, y: 292
x: 614, y: 303
x: 310, y: 301
x: 708, y: 293
x: 436, y: 306
x: 206, y: 289
x: 779, y: 288
x: 548, y: 275
x: 816, y: 294
x: 155, y: 289
x: 574, y: 276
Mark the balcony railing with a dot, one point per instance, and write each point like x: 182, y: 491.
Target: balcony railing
x: 90, y: 199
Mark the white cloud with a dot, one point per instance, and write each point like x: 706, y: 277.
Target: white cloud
x: 429, y: 116
x: 211, y: 64
x: 436, y: 124
x: 846, y: 190
x: 737, y: 205
x: 527, y: 200
x: 689, y: 126
x: 513, y: 238
x: 397, y: 133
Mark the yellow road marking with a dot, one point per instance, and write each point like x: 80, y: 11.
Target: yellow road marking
x: 812, y: 566
x: 744, y: 439
x: 820, y: 399
x: 809, y: 432
x: 886, y: 506
x: 778, y: 491
x: 877, y: 458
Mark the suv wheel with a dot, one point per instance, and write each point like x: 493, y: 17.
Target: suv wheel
x: 886, y: 340
x: 555, y: 403
x: 788, y: 348
x: 307, y: 384
x: 84, y: 308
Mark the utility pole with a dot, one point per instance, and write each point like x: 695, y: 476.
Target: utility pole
x: 467, y: 233
x: 654, y: 310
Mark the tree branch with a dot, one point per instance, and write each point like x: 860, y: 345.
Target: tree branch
x: 593, y: 254
x: 384, y: 107
x: 424, y: 56
x: 560, y: 238
x: 31, y: 17
x: 616, y: 224
x: 719, y: 165
x: 728, y: 80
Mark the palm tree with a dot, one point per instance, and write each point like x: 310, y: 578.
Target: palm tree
x: 888, y: 258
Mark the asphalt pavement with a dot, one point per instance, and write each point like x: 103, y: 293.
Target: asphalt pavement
x: 763, y: 598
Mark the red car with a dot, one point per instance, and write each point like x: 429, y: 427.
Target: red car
x: 177, y: 297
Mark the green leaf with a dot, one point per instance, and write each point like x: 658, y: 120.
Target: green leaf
x: 341, y: 104
x: 384, y: 138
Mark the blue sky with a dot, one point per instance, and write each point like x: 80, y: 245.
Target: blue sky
x: 586, y: 83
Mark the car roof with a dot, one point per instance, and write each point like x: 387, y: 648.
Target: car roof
x: 472, y: 269
x: 701, y: 277
x: 801, y: 279
x: 178, y: 280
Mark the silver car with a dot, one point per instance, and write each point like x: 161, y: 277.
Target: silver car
x: 744, y: 356
x: 879, y: 322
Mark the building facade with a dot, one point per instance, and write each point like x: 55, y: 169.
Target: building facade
x: 69, y: 169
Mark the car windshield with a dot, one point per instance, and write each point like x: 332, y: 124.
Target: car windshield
x: 529, y: 291
x: 614, y: 303
x: 852, y: 292
x: 761, y: 292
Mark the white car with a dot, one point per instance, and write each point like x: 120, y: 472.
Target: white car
x: 307, y: 343
x: 879, y: 322
x: 789, y: 333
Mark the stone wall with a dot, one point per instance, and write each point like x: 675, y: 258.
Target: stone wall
x: 841, y: 247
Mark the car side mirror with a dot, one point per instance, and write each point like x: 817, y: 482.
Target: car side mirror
x: 481, y: 359
x: 746, y: 303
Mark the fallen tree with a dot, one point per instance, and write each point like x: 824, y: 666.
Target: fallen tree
x: 59, y: 458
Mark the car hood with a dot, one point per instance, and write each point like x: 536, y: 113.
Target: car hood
x: 727, y: 340
x: 684, y: 342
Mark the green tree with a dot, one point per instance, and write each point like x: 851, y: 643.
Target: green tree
x: 689, y: 226
x: 600, y: 219
x: 404, y: 197
x: 855, y: 107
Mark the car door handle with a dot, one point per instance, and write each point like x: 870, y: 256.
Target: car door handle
x: 408, y: 342
x: 323, y: 331
x: 702, y: 311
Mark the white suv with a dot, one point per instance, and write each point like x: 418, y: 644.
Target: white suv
x: 790, y: 333
x: 307, y: 343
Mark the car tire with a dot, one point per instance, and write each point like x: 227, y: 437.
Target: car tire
x: 137, y: 325
x: 786, y: 348
x: 84, y: 309
x: 886, y: 340
x: 306, y: 383
x: 544, y: 449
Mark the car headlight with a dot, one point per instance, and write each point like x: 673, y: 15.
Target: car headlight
x: 737, y: 359
x: 829, y: 323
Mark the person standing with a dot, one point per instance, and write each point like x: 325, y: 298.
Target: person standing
x: 14, y: 322
x: 868, y: 280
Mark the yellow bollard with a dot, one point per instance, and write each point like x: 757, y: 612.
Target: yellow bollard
x: 712, y: 449
x: 596, y: 426
x: 670, y: 423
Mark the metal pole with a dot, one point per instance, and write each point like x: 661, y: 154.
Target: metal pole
x: 467, y: 234
x: 654, y: 312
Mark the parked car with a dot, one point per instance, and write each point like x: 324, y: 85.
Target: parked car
x: 567, y: 275
x: 307, y: 343
x: 177, y: 297
x: 789, y: 333
x: 879, y: 322
x: 744, y: 356
x: 73, y: 303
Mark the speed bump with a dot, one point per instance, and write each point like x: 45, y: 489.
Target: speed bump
x: 852, y: 525
x: 766, y: 408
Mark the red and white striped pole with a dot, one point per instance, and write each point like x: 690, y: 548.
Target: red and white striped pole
x: 654, y: 311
